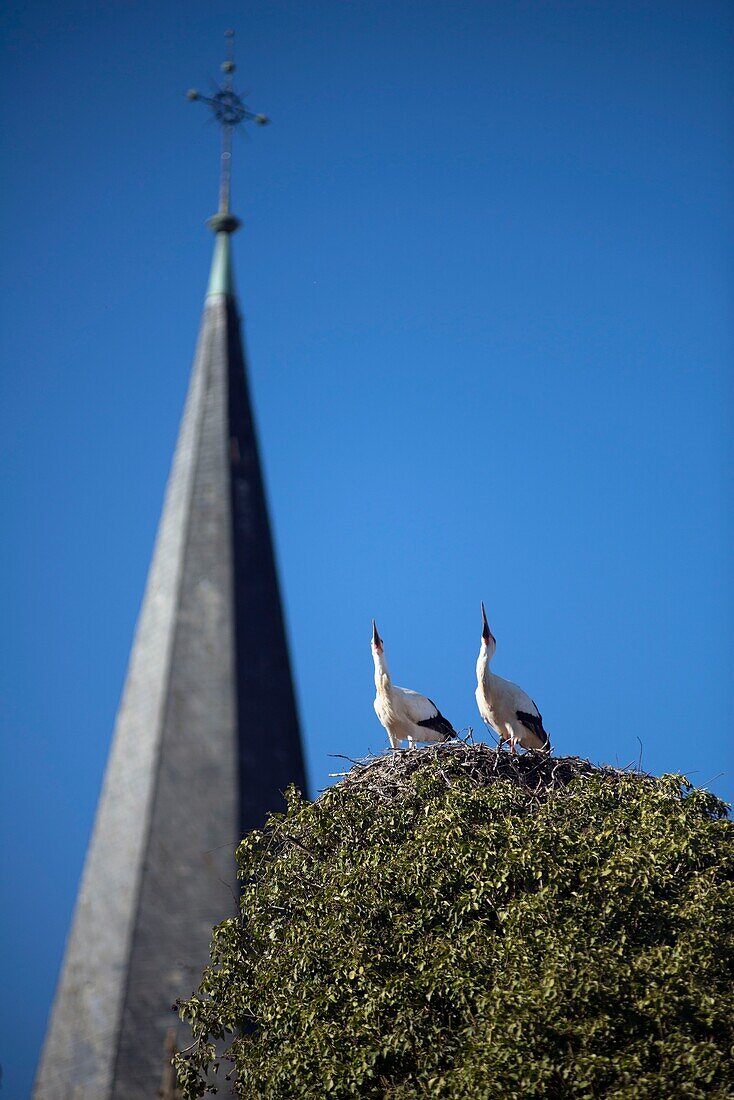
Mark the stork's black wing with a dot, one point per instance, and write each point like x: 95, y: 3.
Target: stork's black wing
x: 534, y: 723
x: 439, y: 724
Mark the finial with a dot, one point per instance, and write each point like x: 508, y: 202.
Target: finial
x: 229, y: 110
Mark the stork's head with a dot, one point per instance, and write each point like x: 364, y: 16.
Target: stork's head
x: 377, y: 643
x: 488, y: 639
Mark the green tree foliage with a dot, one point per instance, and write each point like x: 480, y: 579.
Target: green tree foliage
x: 431, y: 928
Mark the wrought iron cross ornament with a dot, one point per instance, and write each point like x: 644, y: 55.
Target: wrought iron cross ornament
x: 229, y: 110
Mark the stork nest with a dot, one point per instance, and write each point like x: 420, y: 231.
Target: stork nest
x: 389, y: 776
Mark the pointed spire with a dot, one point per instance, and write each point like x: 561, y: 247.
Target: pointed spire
x: 206, y: 738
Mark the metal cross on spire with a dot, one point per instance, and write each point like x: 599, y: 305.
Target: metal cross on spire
x: 229, y: 110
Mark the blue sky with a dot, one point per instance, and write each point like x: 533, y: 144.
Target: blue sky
x: 486, y: 276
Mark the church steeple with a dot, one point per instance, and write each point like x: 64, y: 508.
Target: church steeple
x: 206, y: 736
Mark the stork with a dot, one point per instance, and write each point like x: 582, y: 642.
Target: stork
x: 406, y: 715
x: 503, y: 705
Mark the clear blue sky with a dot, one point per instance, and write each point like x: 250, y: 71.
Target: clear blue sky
x: 486, y: 273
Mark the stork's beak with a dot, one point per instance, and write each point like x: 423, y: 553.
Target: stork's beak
x: 486, y: 633
x: 376, y: 639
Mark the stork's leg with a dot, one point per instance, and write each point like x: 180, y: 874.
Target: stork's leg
x: 411, y: 743
x: 495, y: 733
x: 513, y: 748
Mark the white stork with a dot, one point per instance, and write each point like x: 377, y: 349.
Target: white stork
x: 503, y: 705
x: 406, y: 715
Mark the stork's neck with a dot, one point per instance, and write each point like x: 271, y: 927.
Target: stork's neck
x: 486, y: 652
x: 382, y: 676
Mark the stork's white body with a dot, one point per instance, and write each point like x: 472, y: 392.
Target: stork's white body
x: 400, y: 710
x: 504, y: 706
x: 499, y: 702
x: 405, y: 714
